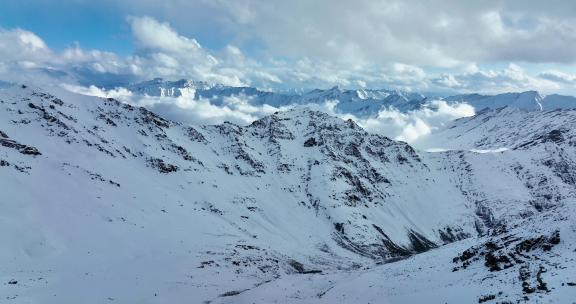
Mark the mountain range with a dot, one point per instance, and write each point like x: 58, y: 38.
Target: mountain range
x: 360, y: 102
x: 108, y: 202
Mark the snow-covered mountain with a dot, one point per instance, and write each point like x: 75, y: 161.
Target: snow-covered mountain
x: 529, y: 100
x: 507, y: 128
x: 106, y: 202
x: 359, y: 102
x: 160, y: 87
x: 363, y: 103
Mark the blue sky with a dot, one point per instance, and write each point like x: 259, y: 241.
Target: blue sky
x: 92, y: 26
x: 461, y: 46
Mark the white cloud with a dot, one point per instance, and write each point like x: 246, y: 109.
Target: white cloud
x: 413, y: 125
x: 512, y: 78
x: 558, y: 76
x: 448, y: 81
x: 187, y: 110
x: 151, y: 34
x: 405, y: 76
x: 95, y: 60
x: 17, y: 45
x: 162, y: 52
x: 119, y: 93
x: 21, y: 54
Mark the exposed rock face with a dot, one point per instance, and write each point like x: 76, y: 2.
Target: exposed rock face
x: 24, y: 149
x: 162, y: 166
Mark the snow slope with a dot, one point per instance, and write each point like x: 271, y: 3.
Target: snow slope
x: 534, y: 275
x: 103, y: 202
x: 506, y: 127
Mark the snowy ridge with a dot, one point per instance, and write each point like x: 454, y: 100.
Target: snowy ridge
x: 529, y: 100
x: 100, y: 192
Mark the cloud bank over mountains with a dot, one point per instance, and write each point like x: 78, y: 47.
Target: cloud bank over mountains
x: 408, y: 125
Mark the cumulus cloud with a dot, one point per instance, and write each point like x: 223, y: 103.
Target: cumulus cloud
x: 96, y: 60
x: 404, y: 76
x: 163, y: 52
x: 558, y: 76
x: 119, y: 93
x: 151, y: 34
x: 23, y: 56
x: 510, y: 79
x: 22, y: 46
